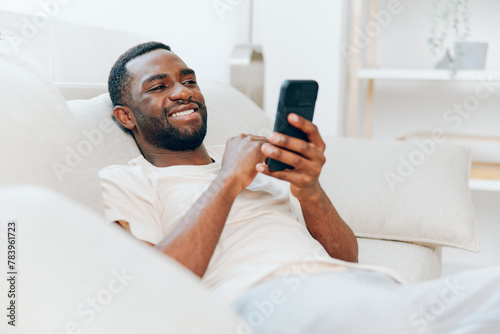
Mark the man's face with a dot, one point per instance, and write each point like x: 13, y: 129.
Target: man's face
x: 167, y: 103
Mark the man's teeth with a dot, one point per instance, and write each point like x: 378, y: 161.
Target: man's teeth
x: 183, y: 113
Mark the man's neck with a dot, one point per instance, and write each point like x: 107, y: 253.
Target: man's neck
x: 167, y: 158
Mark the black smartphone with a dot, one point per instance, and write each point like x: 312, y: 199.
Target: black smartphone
x: 298, y: 97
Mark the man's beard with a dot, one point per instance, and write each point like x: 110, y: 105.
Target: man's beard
x: 159, y: 132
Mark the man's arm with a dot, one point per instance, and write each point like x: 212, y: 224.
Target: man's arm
x: 194, y: 240
x: 322, y: 220
x: 326, y: 226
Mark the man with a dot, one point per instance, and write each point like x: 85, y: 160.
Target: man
x: 228, y: 218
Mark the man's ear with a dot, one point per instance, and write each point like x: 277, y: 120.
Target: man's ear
x: 125, y: 117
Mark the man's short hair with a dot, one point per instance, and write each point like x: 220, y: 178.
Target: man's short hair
x: 119, y: 78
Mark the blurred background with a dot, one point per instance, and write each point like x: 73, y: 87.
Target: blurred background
x: 373, y: 60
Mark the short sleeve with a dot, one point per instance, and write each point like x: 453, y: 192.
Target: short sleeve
x: 296, y: 209
x: 129, y: 196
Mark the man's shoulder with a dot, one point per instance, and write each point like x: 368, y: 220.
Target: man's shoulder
x: 132, y: 169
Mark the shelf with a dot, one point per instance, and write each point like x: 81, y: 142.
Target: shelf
x: 427, y: 75
x: 485, y: 176
x: 486, y: 185
x: 457, y: 137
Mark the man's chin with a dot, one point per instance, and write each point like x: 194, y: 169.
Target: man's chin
x: 182, y: 146
x: 175, y: 136
x: 187, y: 141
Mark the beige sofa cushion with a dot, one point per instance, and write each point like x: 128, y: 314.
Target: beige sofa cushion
x: 112, y: 144
x: 414, y: 263
x: 382, y: 191
x: 42, y: 143
x: 93, y: 277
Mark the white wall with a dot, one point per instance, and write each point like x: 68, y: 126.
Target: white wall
x: 300, y: 40
x: 194, y: 28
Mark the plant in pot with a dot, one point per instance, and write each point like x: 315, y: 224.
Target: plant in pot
x: 450, y: 28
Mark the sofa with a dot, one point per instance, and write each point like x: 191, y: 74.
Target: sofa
x: 404, y: 201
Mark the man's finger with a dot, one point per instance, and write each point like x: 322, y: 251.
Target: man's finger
x: 300, y: 146
x: 291, y: 176
x: 287, y: 157
x: 308, y: 128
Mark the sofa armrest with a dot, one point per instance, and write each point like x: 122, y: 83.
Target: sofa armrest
x: 413, y: 262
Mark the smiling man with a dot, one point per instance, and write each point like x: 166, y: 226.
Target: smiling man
x: 226, y: 217
x: 157, y: 98
x: 161, y: 125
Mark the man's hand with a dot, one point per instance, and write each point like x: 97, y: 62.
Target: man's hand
x: 241, y: 156
x: 307, y: 158
x: 193, y: 241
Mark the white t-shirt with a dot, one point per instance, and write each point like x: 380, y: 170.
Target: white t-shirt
x: 262, y: 238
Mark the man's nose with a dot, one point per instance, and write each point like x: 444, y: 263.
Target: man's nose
x: 181, y: 92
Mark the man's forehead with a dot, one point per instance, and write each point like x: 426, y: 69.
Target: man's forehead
x: 159, y: 60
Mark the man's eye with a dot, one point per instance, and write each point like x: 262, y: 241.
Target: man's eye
x: 190, y: 82
x: 157, y: 88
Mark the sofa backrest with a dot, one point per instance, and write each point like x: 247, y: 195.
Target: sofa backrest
x: 40, y: 139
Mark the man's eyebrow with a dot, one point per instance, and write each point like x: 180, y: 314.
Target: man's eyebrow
x: 187, y: 71
x: 154, y: 78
